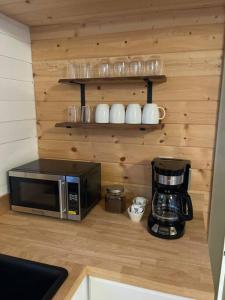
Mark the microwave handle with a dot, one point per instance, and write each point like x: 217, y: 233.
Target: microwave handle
x: 62, y: 199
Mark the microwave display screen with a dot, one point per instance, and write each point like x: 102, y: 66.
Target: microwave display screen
x: 40, y: 194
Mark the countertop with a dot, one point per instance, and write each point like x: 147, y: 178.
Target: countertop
x: 111, y: 246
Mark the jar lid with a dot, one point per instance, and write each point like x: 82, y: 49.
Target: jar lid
x: 115, y: 189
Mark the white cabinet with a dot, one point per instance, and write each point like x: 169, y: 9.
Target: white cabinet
x: 101, y: 289
x: 82, y: 292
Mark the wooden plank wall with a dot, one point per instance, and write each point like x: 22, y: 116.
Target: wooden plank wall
x: 191, y: 44
x: 18, y: 134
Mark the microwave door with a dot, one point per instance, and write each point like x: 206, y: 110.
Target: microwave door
x: 42, y: 194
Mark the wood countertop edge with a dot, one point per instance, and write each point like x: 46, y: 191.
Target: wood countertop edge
x: 75, y: 278
x: 148, y: 284
x: 4, y: 204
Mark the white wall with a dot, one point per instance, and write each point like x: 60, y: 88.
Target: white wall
x: 18, y: 141
x: 217, y: 212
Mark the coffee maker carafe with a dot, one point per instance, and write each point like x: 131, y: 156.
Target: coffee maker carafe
x: 171, y: 203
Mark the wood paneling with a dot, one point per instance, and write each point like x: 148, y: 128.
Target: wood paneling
x: 180, y: 64
x: 14, y: 111
x: 202, y: 112
x: 163, y: 40
x: 13, y: 154
x: 16, y: 90
x: 175, y: 89
x: 15, y: 69
x: 158, y: 19
x: 44, y: 12
x: 13, y: 48
x: 200, y: 157
x: 17, y: 130
x: 169, y: 135
x: 191, y: 44
x: 14, y: 29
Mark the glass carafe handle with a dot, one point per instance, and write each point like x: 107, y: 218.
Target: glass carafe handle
x: 188, y: 207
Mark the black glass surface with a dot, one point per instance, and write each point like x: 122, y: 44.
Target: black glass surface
x: 35, y: 193
x: 27, y: 280
x: 167, y: 207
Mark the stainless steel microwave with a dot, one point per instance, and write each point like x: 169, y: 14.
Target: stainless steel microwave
x: 56, y: 188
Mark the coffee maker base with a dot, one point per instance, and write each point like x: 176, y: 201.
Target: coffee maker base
x: 165, y: 231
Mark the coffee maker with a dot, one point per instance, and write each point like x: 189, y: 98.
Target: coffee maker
x: 171, y: 203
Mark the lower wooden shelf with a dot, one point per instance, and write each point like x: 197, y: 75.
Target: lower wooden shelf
x: 108, y: 125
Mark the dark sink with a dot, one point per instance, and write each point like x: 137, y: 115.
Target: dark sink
x: 24, y: 279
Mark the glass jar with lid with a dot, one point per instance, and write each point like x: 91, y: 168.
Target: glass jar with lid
x: 115, y: 199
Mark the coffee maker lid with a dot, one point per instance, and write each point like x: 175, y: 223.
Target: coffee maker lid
x: 170, y: 166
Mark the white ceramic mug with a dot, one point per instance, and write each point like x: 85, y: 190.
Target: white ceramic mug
x: 140, y: 201
x: 102, y: 113
x: 117, y: 114
x: 133, y: 114
x: 151, y: 114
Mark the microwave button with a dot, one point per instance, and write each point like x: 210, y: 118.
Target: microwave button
x: 73, y: 197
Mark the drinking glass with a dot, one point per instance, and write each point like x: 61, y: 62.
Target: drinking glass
x: 104, y: 69
x: 73, y: 114
x: 154, y: 66
x: 86, y: 70
x: 72, y: 70
x: 120, y: 68
x: 149, y: 67
x: 136, y: 68
x: 87, y: 114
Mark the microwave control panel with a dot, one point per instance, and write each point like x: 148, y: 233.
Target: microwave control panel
x: 73, y: 199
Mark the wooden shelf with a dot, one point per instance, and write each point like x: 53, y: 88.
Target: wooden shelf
x: 108, y: 126
x: 155, y: 79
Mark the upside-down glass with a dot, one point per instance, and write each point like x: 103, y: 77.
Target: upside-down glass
x: 73, y: 114
x: 87, y: 114
x: 154, y: 66
x: 70, y: 73
x: 104, y: 69
x: 86, y: 70
x: 136, y: 68
x: 120, y: 69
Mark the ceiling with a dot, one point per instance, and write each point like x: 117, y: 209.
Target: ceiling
x: 44, y: 12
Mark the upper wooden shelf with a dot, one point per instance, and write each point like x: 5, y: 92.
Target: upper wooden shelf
x: 155, y: 79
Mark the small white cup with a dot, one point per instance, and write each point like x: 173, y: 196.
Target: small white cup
x: 136, y: 209
x: 117, y: 114
x: 140, y: 201
x: 133, y: 114
x: 102, y: 113
x: 137, y: 215
x: 151, y: 114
